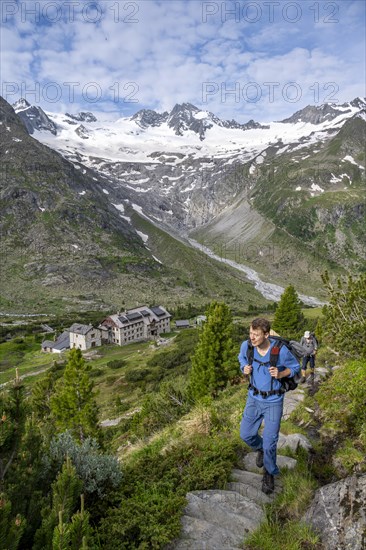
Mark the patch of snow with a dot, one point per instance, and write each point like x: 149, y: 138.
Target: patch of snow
x: 252, y: 169
x: 41, y: 209
x: 82, y: 193
x: 142, y: 235
x: 156, y: 259
x: 138, y: 189
x: 126, y: 218
x: 75, y: 246
x: 316, y: 187
x: 105, y: 191
x: 298, y: 188
x: 119, y: 207
x: 349, y: 159
x: 16, y: 139
x: 77, y: 167
x: 8, y: 128
x: 201, y: 115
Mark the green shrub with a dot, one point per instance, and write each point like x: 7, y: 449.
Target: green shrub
x: 136, y: 375
x: 94, y: 373
x: 342, y: 398
x: 152, y: 496
x: 116, y: 363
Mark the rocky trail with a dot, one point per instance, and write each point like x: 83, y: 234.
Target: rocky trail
x: 221, y: 519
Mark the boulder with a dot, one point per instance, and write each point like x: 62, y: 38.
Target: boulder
x: 293, y: 441
x: 338, y: 514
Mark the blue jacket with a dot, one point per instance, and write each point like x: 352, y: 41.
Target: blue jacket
x: 260, y: 377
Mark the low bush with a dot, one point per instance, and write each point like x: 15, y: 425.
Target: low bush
x: 152, y: 495
x: 116, y: 363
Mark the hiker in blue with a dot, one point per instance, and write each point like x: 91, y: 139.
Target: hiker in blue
x: 265, y: 396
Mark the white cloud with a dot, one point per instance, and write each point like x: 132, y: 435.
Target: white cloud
x: 161, y: 53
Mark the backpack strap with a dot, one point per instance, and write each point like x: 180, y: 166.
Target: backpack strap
x: 250, y: 352
x: 274, y: 356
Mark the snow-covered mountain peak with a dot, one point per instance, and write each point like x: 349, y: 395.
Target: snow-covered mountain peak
x: 33, y: 117
x: 20, y: 105
x: 82, y: 117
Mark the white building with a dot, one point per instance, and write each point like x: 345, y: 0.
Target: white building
x: 140, y: 323
x: 84, y: 337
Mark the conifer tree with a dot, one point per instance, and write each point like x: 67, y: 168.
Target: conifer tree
x: 289, y: 320
x: 11, y: 528
x: 73, y: 404
x: 345, y: 315
x: 214, y: 362
x: 66, y: 491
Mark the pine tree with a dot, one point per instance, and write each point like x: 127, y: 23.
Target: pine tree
x: 73, y: 404
x: 345, y: 315
x: 12, y: 422
x: 289, y: 320
x: 214, y: 362
x: 11, y: 528
x: 66, y: 491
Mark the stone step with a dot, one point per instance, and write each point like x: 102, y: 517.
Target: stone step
x: 232, y: 501
x: 253, y: 493
x: 219, y: 515
x: 282, y: 462
x: 214, y: 536
x: 198, y: 545
x: 255, y: 480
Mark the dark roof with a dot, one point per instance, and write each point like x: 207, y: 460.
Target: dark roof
x: 133, y: 316
x: 48, y: 344
x: 80, y: 329
x: 158, y: 312
x: 123, y: 319
x: 183, y: 323
x: 62, y: 342
x: 145, y: 313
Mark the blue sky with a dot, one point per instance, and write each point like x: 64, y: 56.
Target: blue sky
x: 260, y: 60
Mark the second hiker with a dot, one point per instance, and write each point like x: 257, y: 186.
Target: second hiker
x: 311, y: 346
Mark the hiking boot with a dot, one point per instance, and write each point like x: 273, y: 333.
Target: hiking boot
x: 267, y: 483
x: 259, y: 459
x: 302, y: 379
x: 311, y: 378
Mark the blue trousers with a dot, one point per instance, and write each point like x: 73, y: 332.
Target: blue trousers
x: 255, y: 411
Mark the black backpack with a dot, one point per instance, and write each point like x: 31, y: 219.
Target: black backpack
x: 297, y: 350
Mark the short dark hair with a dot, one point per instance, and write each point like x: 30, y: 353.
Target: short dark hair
x: 261, y: 323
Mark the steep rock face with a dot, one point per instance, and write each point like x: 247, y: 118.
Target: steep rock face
x: 82, y: 117
x: 186, y: 117
x: 338, y: 513
x: 320, y: 113
x: 57, y: 225
x: 34, y: 118
x: 147, y: 117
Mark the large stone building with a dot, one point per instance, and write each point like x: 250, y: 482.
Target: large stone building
x: 140, y: 323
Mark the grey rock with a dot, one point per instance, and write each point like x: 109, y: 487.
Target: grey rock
x: 234, y: 502
x: 215, y: 536
x: 219, y: 515
x: 252, y: 479
x: 253, y: 493
x: 294, y: 441
x: 338, y: 513
x: 282, y: 462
